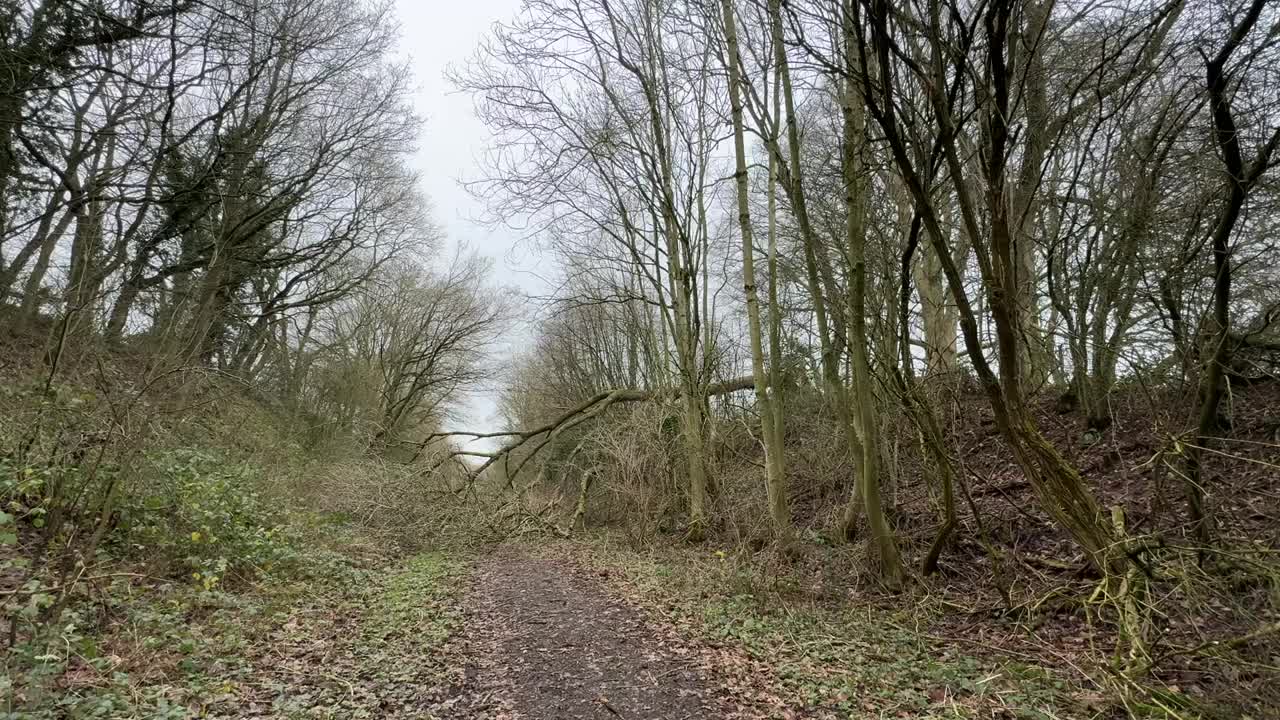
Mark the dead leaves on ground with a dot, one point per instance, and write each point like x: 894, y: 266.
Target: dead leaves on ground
x: 377, y: 651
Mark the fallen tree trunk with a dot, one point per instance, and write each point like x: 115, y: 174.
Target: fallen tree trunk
x: 587, y: 410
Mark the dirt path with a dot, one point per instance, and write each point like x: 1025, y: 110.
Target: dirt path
x: 547, y: 641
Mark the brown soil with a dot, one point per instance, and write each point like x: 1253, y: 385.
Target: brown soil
x: 545, y: 641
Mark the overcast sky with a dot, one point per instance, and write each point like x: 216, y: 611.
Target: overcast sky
x: 435, y: 35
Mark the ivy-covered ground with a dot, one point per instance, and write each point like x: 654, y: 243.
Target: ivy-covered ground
x: 204, y: 561
x: 340, y: 641
x: 803, y: 656
x: 574, y: 630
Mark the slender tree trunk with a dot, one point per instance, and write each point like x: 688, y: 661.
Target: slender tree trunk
x: 793, y: 184
x: 35, y: 280
x: 776, y: 486
x: 83, y: 279
x: 881, y: 535
x: 776, y: 371
x: 1239, y: 181
x: 937, y: 316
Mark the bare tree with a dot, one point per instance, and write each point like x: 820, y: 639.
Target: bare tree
x: 600, y: 142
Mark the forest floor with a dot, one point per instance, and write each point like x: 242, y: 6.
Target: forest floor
x: 591, y: 629
x: 506, y: 634
x: 352, y: 643
x: 543, y: 631
x: 586, y: 630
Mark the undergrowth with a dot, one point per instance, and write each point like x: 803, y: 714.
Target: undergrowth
x: 866, y: 659
x: 334, y: 639
x: 171, y: 549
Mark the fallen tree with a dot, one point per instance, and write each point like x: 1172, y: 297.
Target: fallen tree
x: 542, y: 435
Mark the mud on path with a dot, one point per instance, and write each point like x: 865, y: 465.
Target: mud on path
x: 545, y: 641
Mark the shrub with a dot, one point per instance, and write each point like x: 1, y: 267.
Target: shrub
x: 204, y: 516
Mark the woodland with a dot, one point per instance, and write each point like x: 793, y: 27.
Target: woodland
x: 895, y: 359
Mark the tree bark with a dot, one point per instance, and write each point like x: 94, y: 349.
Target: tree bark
x: 779, y: 512
x: 1239, y: 180
x: 793, y: 185
x: 889, y: 563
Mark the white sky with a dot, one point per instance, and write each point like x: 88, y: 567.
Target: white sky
x: 435, y: 35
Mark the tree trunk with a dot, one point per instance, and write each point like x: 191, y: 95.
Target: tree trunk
x: 1057, y: 484
x: 881, y: 535
x: 779, y: 513
x: 793, y: 184
x: 1239, y: 180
